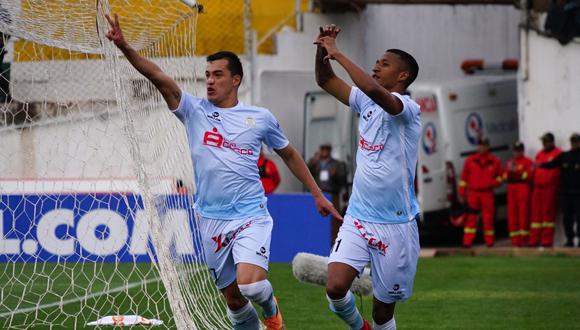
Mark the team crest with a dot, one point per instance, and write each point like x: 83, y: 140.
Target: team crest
x: 250, y: 122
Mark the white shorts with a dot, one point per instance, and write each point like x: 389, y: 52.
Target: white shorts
x: 227, y: 243
x: 391, y: 249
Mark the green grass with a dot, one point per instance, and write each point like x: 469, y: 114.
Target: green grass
x: 449, y: 293
x: 459, y: 293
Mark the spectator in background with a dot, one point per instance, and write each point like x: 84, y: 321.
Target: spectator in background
x: 569, y: 164
x: 330, y: 175
x: 481, y: 174
x: 268, y: 173
x: 518, y: 174
x: 545, y: 195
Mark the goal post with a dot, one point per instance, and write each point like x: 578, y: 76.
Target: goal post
x: 91, y: 221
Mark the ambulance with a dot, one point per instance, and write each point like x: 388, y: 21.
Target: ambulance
x: 454, y: 115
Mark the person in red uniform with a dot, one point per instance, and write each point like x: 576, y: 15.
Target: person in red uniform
x: 518, y: 174
x: 268, y: 174
x: 545, y: 195
x: 480, y: 176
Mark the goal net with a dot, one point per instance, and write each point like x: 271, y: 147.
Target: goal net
x: 95, y: 174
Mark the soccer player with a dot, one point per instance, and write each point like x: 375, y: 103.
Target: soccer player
x: 225, y: 137
x: 380, y: 225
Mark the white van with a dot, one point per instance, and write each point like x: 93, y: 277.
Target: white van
x: 453, y: 115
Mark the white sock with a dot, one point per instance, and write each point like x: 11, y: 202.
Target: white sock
x: 390, y: 325
x: 345, y: 308
x: 261, y: 293
x: 244, y: 318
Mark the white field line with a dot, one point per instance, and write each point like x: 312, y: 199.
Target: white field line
x: 86, y: 297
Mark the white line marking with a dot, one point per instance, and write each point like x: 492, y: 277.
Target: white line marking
x: 70, y: 301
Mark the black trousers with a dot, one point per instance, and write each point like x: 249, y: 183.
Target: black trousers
x: 571, y: 210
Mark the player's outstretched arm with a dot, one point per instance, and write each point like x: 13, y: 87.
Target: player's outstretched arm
x: 325, y: 76
x: 361, y: 79
x: 165, y: 84
x: 296, y: 164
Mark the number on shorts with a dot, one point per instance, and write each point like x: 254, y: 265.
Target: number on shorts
x: 337, y: 245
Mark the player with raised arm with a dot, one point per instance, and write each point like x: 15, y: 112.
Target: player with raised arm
x: 225, y: 137
x: 380, y: 225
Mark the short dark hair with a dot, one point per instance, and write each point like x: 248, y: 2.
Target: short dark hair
x: 547, y: 137
x: 234, y: 63
x: 411, y: 64
x: 518, y: 145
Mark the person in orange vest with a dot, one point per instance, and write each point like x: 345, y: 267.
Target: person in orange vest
x: 268, y: 174
x: 480, y: 176
x: 545, y: 195
x: 518, y: 174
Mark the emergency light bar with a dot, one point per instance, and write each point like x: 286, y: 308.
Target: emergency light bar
x: 471, y: 65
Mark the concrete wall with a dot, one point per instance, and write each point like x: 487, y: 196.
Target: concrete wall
x: 441, y: 37
x: 549, y: 90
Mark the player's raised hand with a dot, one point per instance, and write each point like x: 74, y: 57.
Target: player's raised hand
x: 115, y: 33
x: 326, y: 208
x: 329, y: 30
x: 327, y: 40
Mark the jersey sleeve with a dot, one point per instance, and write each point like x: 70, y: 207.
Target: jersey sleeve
x: 187, y: 104
x: 358, y: 100
x: 274, y: 138
x: 410, y: 109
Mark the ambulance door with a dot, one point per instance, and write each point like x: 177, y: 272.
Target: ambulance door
x: 327, y: 121
x: 431, y: 171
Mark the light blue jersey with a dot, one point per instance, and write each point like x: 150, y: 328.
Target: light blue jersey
x: 383, y: 188
x: 225, y: 145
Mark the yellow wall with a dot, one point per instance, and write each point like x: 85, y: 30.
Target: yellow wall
x: 220, y: 27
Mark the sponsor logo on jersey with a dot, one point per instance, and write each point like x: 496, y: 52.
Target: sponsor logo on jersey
x: 214, y: 139
x: 214, y: 116
x: 372, y: 241
x: 365, y: 145
x: 368, y: 115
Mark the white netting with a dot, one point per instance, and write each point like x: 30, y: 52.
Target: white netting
x: 91, y: 170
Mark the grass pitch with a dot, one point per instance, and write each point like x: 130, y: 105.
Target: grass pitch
x: 449, y: 293
x: 459, y: 293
